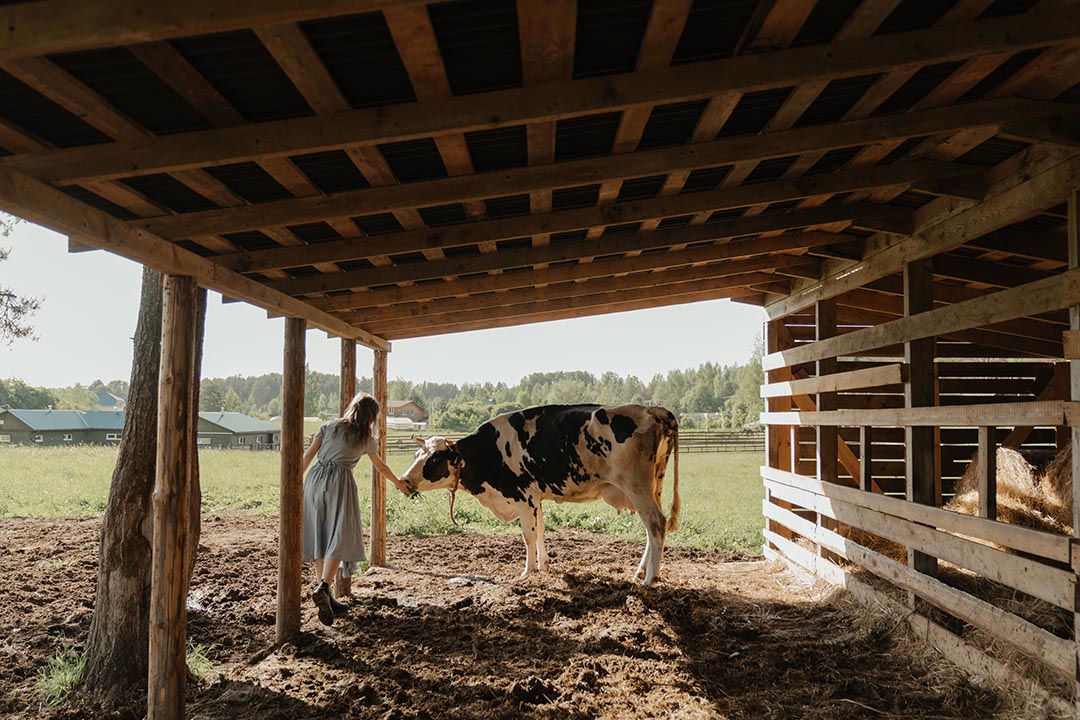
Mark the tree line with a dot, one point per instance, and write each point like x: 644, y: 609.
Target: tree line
x: 727, y: 394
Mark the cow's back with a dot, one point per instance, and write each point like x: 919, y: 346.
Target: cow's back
x: 565, y: 451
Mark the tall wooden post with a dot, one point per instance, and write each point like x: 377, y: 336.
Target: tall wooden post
x: 919, y: 462
x: 290, y: 533
x: 778, y: 439
x: 1074, y: 390
x: 342, y: 584
x: 378, y: 485
x: 826, y: 437
x: 170, y: 572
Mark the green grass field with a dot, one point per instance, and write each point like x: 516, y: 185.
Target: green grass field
x: 721, y: 495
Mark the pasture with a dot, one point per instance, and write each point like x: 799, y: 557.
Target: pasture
x: 721, y: 495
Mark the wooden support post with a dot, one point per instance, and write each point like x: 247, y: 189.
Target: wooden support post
x: 866, y: 458
x: 378, y: 484
x: 779, y: 445
x: 1073, y: 240
x: 987, y: 472
x: 826, y: 437
x: 290, y: 533
x: 170, y: 571
x: 919, y: 458
x: 342, y: 584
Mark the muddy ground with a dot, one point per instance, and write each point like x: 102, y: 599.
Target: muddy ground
x: 451, y: 632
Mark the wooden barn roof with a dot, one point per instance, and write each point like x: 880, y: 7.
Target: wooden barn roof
x: 392, y: 169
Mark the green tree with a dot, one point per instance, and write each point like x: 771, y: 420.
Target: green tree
x: 15, y: 310
x: 232, y: 402
x: 16, y: 394
x: 211, y: 398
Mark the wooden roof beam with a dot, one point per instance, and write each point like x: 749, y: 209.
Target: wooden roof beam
x: 878, y: 217
x: 559, y: 100
x: 1007, y: 202
x: 580, y: 172
x: 47, y: 206
x: 606, y: 308
x: 657, y: 283
x: 57, y: 26
x: 700, y: 290
x: 603, y: 268
x: 510, y: 259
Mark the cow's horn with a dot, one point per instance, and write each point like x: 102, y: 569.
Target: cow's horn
x: 418, y: 441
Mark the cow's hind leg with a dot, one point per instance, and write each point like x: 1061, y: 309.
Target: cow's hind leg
x: 541, y: 548
x: 653, y: 519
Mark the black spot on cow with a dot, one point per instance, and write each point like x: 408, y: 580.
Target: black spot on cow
x: 601, y: 416
x: 507, y: 448
x: 623, y: 427
x: 597, y: 446
x: 549, y: 455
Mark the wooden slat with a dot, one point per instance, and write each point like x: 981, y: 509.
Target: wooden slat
x: 911, y: 523
x: 378, y: 483
x: 1041, y: 414
x: 1053, y: 293
x: 843, y: 381
x: 1043, y: 646
x: 558, y: 100
x: 46, y: 206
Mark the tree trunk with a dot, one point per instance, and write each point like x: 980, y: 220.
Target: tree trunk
x: 116, y: 649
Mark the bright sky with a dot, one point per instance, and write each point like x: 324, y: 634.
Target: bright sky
x: 91, y: 302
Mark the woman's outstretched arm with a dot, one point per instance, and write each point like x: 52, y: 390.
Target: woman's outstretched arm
x: 386, y: 472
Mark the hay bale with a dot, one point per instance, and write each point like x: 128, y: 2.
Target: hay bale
x: 1025, y: 498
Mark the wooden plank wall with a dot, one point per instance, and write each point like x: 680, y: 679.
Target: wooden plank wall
x: 981, y: 387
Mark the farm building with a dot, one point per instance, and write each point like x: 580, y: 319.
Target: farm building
x: 238, y: 431
x: 103, y: 427
x: 60, y: 427
x: 896, y: 182
x: 405, y: 411
x: 109, y: 401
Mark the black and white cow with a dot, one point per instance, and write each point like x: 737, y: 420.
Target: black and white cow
x: 565, y: 453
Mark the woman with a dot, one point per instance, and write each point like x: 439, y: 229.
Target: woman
x: 333, y: 533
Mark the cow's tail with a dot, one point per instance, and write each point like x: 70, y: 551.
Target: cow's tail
x: 673, y: 519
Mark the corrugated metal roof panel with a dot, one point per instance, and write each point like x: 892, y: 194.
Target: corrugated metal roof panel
x: 238, y: 422
x: 122, y: 79
x: 359, y: 53
x: 245, y: 73
x: 478, y: 41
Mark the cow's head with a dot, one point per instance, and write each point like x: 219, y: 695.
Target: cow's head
x: 437, y: 465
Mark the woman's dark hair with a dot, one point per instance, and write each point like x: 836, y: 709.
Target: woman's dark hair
x: 359, y: 416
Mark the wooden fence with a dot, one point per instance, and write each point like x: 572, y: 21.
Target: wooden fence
x: 690, y: 441
x: 872, y: 425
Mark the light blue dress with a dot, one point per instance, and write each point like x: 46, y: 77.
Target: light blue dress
x: 332, y: 525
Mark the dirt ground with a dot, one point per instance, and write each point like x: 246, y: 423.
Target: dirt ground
x: 451, y: 632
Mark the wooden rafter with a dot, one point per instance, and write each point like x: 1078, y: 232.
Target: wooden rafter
x: 559, y: 100
x: 524, y: 300
x: 562, y: 252
x: 611, y: 306
x: 580, y: 172
x: 46, y: 206
x: 1012, y: 202
x: 864, y: 215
